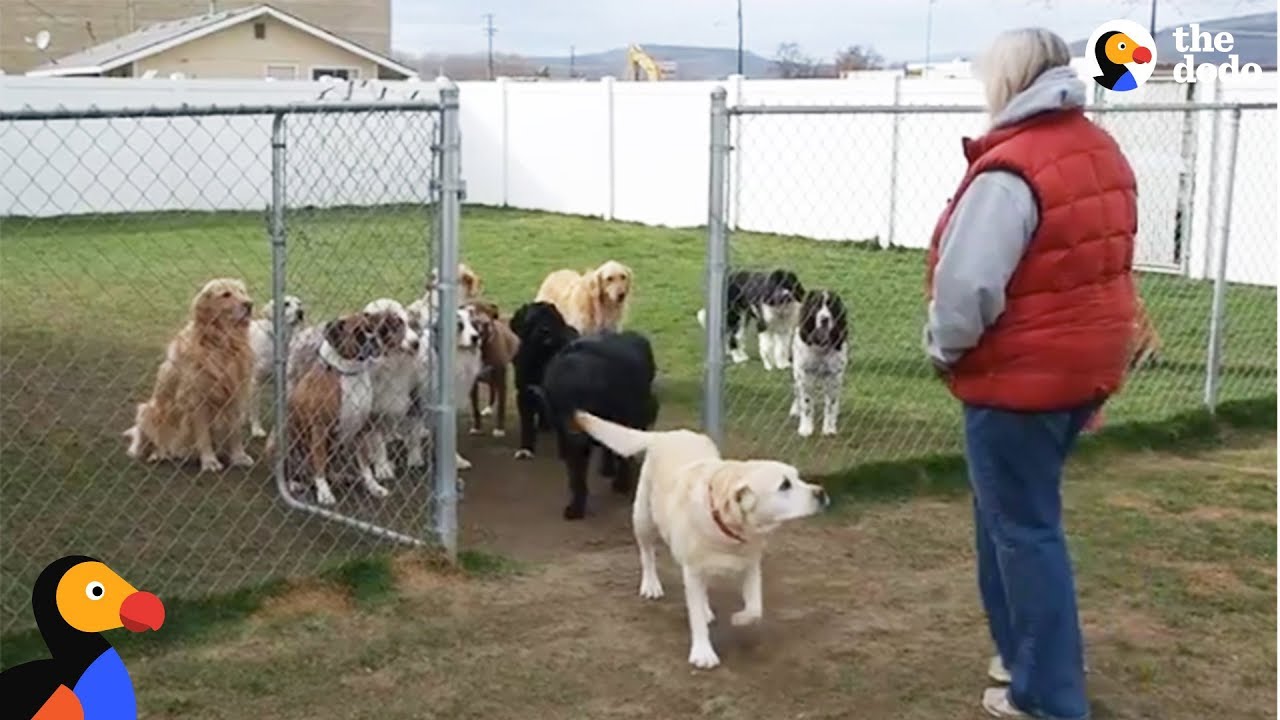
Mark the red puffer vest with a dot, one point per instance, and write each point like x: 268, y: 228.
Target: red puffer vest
x: 1063, y: 338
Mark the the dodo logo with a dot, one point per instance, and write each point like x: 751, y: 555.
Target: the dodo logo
x: 1121, y: 54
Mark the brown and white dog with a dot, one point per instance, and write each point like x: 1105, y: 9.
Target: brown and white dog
x: 1146, y: 344
x: 199, y: 405
x: 498, y: 346
x: 396, y: 374
x: 331, y: 404
x: 592, y: 301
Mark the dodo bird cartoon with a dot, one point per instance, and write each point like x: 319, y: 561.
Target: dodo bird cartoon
x: 74, y: 599
x: 1113, y: 51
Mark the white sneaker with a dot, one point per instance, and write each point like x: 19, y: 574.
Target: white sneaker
x: 998, y: 672
x: 996, y: 702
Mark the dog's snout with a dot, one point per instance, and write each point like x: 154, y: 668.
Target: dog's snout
x: 248, y: 306
x: 823, y: 498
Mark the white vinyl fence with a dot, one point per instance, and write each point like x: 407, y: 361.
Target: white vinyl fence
x: 638, y: 152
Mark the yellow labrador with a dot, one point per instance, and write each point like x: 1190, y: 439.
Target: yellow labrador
x: 713, y: 514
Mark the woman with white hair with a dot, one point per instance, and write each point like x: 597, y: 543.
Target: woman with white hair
x: 1031, y: 305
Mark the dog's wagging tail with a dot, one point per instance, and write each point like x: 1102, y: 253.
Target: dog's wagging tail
x: 621, y: 439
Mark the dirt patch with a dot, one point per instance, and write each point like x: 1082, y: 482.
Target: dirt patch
x: 1211, y: 579
x: 1212, y: 513
x: 311, y: 598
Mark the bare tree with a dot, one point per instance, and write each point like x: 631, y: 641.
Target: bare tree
x: 857, y: 57
x: 793, y: 63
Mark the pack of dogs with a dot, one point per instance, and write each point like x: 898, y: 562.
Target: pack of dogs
x: 357, y: 383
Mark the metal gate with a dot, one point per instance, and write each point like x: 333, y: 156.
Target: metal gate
x: 111, y: 223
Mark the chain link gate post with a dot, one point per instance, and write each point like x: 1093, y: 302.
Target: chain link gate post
x: 1217, y: 313
x: 717, y: 269
x: 449, y: 212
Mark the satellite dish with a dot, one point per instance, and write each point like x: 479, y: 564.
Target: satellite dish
x: 42, y: 39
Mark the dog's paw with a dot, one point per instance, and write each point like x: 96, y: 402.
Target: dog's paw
x: 476, y: 430
x: 242, y: 459
x: 703, y: 657
x: 296, y: 488
x: 462, y: 463
x: 384, y: 470
x: 794, y: 411
x: 745, y: 617
x: 574, y: 512
x: 524, y: 454
x: 375, y: 488
x: 257, y: 431
x: 210, y: 463
x: 738, y: 357
x: 499, y: 432
x: 828, y: 429
x: 651, y: 588
x: 805, y: 429
x: 324, y: 494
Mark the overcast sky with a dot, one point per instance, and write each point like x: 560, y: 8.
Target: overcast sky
x: 895, y: 27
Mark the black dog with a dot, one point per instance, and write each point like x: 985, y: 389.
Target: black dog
x: 543, y: 333
x: 773, y: 301
x: 609, y: 375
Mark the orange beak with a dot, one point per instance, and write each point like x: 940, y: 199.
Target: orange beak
x: 142, y: 611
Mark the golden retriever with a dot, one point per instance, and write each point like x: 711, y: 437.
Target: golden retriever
x: 592, y: 301
x: 200, y: 402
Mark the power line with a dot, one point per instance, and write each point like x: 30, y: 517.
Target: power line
x: 490, y: 31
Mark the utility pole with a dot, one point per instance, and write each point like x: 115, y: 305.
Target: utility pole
x: 1153, y: 19
x: 490, y: 31
x: 572, y: 56
x: 928, y: 39
x: 740, y: 37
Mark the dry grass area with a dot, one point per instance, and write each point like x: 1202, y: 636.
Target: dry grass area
x: 871, y: 612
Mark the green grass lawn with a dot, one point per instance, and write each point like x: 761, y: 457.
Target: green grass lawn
x: 89, y: 302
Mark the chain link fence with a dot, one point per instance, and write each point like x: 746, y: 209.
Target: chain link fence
x: 846, y: 199
x: 132, y: 243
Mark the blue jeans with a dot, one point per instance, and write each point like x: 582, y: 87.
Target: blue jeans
x: 1024, y: 570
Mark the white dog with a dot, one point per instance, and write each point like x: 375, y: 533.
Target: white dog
x: 713, y: 514
x: 262, y: 332
x: 468, y: 362
x: 395, y: 374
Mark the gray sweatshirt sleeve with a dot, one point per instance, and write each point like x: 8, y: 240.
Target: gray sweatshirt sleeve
x: 980, y: 248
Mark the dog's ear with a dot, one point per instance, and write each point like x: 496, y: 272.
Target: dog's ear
x: 518, y: 320
x: 333, y: 331
x: 745, y: 497
x: 594, y: 285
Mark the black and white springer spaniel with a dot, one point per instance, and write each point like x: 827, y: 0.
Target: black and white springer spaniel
x: 820, y: 353
x: 771, y: 301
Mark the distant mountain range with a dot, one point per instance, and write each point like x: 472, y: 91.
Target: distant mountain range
x: 692, y: 63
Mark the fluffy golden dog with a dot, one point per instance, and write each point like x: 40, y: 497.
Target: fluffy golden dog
x: 200, y: 402
x: 593, y: 301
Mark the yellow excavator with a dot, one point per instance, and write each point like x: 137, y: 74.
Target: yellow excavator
x: 642, y: 66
